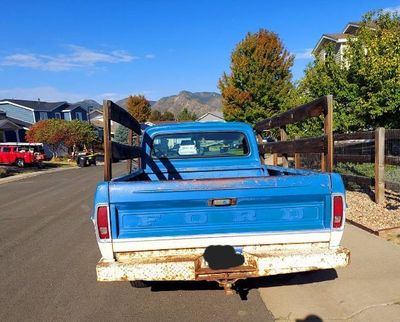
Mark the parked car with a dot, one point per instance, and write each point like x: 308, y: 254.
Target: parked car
x: 219, y: 216
x: 22, y: 154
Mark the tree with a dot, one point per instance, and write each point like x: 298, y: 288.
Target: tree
x: 121, y: 135
x: 57, y: 133
x: 51, y: 132
x: 186, y: 115
x: 139, y: 107
x: 155, y: 115
x: 259, y: 84
x: 366, y: 86
x: 79, y: 134
x: 374, y: 66
x: 322, y: 77
x: 167, y: 116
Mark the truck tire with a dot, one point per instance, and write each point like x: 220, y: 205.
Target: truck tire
x: 20, y: 163
x: 139, y: 284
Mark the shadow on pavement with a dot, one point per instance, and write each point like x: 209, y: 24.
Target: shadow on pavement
x: 243, y: 287
x: 310, y: 318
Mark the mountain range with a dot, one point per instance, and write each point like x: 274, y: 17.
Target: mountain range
x: 197, y: 102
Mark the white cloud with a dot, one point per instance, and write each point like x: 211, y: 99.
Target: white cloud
x: 304, y: 54
x: 45, y: 93
x: 150, y: 56
x: 52, y: 94
x: 392, y: 10
x: 76, y: 57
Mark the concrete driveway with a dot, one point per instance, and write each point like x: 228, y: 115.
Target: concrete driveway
x: 367, y: 290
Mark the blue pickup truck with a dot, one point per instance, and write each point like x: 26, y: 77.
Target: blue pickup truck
x: 203, y: 206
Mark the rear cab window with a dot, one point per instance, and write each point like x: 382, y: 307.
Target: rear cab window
x: 199, y: 145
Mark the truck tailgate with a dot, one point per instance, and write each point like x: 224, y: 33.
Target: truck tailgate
x: 220, y: 206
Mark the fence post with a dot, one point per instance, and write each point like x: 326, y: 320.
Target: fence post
x: 283, y: 134
x: 139, y: 160
x: 129, y: 163
x: 379, y: 165
x: 107, y: 140
x: 274, y: 158
x: 297, y: 161
x: 328, y: 131
x: 260, y: 141
x: 323, y: 162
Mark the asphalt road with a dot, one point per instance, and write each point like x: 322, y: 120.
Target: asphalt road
x: 48, y: 255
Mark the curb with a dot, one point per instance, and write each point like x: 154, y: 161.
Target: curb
x: 32, y: 174
x: 370, y: 230
x: 378, y: 232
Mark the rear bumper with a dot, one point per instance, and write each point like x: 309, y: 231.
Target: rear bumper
x: 189, y: 264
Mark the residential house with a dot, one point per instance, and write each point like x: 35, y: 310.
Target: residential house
x: 338, y: 40
x: 25, y: 113
x: 211, y: 116
x: 9, y: 130
x: 74, y: 112
x: 95, y: 114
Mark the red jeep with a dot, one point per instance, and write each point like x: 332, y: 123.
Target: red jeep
x: 21, y: 153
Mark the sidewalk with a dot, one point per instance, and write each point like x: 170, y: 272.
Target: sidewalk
x: 21, y: 176
x: 367, y: 290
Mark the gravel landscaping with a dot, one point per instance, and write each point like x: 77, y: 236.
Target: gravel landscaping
x: 363, y: 210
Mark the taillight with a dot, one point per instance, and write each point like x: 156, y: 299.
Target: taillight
x: 337, y: 211
x: 102, y: 222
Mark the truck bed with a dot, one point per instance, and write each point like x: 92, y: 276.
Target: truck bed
x: 167, y: 212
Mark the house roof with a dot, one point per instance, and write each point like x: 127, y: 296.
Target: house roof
x: 334, y: 37
x: 217, y: 114
x: 349, y: 30
x: 96, y: 111
x: 35, y: 105
x: 357, y: 24
x: 8, y: 125
x: 337, y: 36
x: 71, y: 107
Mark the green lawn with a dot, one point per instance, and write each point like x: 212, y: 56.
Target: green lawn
x: 59, y: 164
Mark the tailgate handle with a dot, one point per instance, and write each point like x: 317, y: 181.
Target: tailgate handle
x: 222, y: 202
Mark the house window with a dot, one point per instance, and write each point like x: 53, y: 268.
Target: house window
x: 57, y: 115
x: 79, y: 116
x: 43, y: 115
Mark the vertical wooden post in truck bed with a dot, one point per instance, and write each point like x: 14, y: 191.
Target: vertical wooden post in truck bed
x: 107, y: 141
x: 115, y: 150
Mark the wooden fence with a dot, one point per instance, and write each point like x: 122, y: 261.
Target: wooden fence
x: 322, y: 145
x: 378, y: 157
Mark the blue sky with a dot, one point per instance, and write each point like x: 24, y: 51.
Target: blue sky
x: 71, y: 50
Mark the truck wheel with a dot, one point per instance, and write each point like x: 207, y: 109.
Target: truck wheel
x: 139, y: 284
x: 20, y: 163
